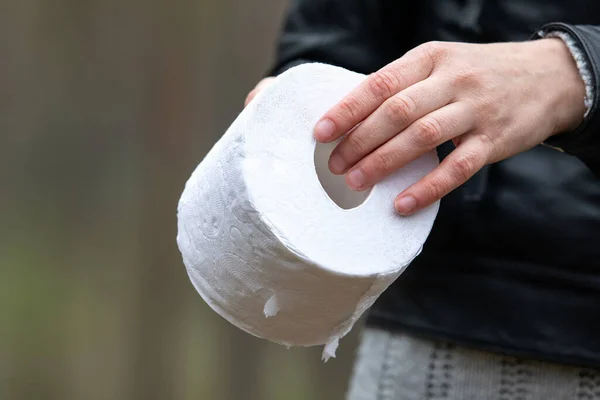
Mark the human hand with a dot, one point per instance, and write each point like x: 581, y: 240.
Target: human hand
x: 259, y: 86
x: 491, y: 100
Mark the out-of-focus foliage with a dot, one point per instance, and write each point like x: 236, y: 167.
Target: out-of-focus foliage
x: 106, y: 106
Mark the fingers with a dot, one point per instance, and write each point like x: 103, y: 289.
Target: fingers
x: 371, y: 93
x: 259, y: 86
x: 460, y: 165
x: 250, y: 96
x: 394, y: 115
x: 420, y: 137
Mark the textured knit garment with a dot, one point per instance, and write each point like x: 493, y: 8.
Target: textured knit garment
x: 397, y: 366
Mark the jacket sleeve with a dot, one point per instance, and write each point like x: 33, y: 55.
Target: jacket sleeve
x: 584, y: 142
x: 359, y: 35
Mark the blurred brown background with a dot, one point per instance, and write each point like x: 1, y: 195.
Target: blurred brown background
x: 106, y: 106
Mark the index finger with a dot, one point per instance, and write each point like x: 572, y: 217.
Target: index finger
x: 411, y: 68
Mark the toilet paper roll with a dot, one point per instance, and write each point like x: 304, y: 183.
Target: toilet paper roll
x: 264, y: 244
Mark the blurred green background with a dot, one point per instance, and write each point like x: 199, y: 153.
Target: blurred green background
x: 106, y: 106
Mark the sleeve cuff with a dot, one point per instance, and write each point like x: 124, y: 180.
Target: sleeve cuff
x: 583, y: 142
x: 581, y: 62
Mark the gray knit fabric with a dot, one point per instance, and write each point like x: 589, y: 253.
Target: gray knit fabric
x: 581, y: 62
x: 395, y: 366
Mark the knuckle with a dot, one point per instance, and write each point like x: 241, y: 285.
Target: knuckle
x: 466, y: 165
x: 462, y: 78
x: 435, y: 47
x: 487, y: 108
x: 488, y: 146
x: 349, y: 109
x: 429, y: 132
x: 399, y: 108
x: 381, y: 162
x: 486, y: 140
x: 354, y: 146
x: 434, y: 189
x: 468, y: 77
x: 382, y: 84
x: 435, y: 50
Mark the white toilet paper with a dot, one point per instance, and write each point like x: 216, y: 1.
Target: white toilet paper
x: 263, y: 243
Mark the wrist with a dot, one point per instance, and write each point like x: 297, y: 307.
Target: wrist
x: 568, y: 89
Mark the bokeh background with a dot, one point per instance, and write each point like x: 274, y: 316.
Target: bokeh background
x: 106, y: 106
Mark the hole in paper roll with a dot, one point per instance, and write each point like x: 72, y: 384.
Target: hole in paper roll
x: 335, y: 185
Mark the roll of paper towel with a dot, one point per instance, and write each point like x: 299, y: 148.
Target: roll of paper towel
x: 264, y: 244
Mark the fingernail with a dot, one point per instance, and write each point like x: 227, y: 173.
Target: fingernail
x: 324, y: 129
x: 356, y: 179
x: 336, y: 164
x: 406, y: 204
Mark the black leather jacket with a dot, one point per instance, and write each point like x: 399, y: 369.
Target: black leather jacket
x: 513, y: 261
